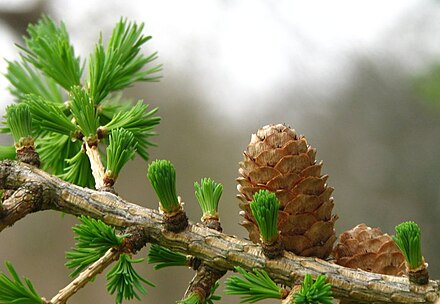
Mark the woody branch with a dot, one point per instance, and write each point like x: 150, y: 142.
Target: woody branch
x: 217, y: 250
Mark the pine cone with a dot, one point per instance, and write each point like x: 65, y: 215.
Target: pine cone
x: 369, y: 249
x: 279, y: 160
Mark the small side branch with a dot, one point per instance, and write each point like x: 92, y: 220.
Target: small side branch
x: 131, y: 244
x: 217, y: 250
x: 291, y: 295
x: 203, y: 281
x: 84, y: 277
x: 98, y: 170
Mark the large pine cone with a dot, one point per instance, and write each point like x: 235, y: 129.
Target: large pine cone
x: 279, y: 160
x: 369, y: 249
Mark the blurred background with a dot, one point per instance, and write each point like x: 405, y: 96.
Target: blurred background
x: 361, y: 79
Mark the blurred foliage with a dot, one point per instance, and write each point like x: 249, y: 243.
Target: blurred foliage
x: 380, y: 145
x: 427, y: 86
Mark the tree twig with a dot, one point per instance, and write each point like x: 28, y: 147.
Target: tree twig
x: 217, y: 250
x: 290, y: 297
x: 98, y: 170
x: 84, y: 277
x: 203, y: 281
x: 131, y: 244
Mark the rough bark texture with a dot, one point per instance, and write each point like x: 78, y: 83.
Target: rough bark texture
x: 205, y: 277
x: 217, y: 250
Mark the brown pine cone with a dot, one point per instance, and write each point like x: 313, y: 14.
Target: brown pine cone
x: 369, y: 249
x: 281, y: 161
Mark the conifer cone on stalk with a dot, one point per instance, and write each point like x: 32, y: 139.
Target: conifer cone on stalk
x: 281, y: 161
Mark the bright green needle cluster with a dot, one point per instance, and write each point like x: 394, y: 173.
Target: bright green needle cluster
x: 94, y: 238
x: 163, y: 257
x: 55, y: 152
x: 264, y: 207
x: 162, y: 176
x: 125, y: 281
x: 253, y: 287
x: 15, y: 291
x: 138, y: 120
x: 208, y: 194
x: 83, y: 109
x: 25, y: 79
x: 408, y: 239
x: 78, y: 170
x: 121, y: 63
x: 49, y: 116
x: 48, y: 73
x: 318, y: 292
x: 121, y: 148
x: 19, y: 121
x: 49, y: 50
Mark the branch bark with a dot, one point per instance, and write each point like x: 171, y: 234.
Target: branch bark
x: 217, y: 250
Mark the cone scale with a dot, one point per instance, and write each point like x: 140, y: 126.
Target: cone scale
x: 279, y: 160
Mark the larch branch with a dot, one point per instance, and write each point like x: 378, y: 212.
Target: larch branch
x: 217, y: 250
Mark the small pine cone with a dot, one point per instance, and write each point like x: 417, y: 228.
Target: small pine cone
x: 279, y: 160
x: 369, y: 249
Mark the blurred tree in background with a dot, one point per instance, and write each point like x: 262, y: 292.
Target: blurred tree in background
x: 382, y: 142
x: 378, y: 134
